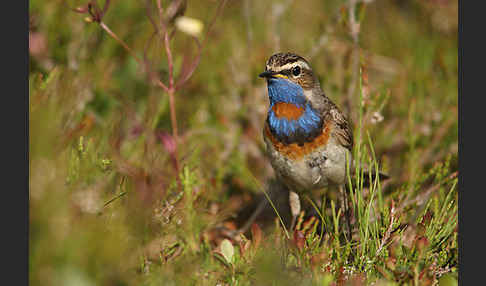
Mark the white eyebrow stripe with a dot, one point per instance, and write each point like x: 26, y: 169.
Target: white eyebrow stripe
x: 290, y: 65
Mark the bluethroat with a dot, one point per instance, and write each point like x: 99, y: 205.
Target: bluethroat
x: 308, y: 138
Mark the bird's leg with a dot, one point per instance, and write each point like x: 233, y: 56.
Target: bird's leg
x: 344, y: 207
x: 294, y: 208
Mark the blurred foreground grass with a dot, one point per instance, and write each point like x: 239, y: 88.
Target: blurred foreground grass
x: 105, y: 208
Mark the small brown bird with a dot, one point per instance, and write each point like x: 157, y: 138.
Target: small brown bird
x: 308, y: 139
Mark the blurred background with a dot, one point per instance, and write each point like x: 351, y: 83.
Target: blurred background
x: 105, y: 205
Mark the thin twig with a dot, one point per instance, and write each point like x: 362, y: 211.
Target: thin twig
x: 169, y: 60
x: 389, y: 230
x: 149, y: 15
x: 171, y: 86
x: 114, y: 198
x: 105, y: 7
x: 172, y: 108
x: 114, y: 36
x: 161, y: 15
x: 122, y: 181
x: 131, y: 52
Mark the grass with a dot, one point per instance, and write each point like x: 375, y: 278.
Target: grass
x: 116, y: 200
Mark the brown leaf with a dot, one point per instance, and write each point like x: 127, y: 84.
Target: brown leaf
x: 256, y: 234
x: 244, y: 246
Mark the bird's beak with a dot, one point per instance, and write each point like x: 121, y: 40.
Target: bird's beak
x: 272, y: 74
x: 266, y: 74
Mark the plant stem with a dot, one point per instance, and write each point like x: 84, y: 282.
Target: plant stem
x: 114, y: 36
x: 170, y: 90
x: 171, y: 93
x: 173, y: 121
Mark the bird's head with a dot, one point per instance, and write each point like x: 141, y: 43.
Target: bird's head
x: 288, y: 71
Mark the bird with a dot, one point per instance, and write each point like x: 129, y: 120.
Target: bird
x: 308, y: 139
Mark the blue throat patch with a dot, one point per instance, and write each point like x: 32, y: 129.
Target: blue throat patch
x: 301, y: 130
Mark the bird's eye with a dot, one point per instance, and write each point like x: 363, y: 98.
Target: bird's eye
x: 296, y: 71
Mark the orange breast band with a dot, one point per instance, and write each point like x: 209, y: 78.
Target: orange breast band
x: 296, y: 151
x: 287, y: 110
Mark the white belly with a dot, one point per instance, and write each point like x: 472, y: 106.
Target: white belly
x: 322, y: 167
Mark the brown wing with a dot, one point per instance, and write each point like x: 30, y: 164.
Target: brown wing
x: 342, y: 130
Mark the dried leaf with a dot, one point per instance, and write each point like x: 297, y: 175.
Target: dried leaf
x: 256, y: 234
